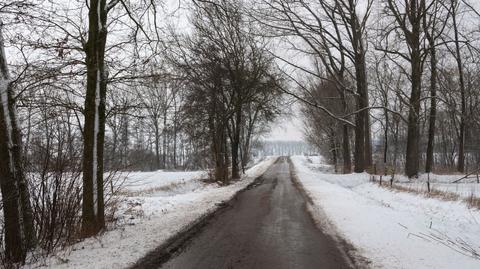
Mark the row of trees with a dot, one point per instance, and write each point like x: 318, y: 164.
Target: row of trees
x: 405, y: 69
x: 232, y: 83
x: 101, y: 86
x: 334, y: 34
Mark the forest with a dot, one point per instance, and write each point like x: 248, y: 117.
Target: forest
x: 91, y: 89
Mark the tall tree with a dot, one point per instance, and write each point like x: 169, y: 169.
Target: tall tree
x: 454, y: 10
x: 334, y: 32
x: 433, y: 28
x: 93, y: 213
x: 18, y: 216
x: 408, y: 20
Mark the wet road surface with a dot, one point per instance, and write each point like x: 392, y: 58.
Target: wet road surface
x: 266, y: 227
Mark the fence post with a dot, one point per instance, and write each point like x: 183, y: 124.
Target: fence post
x: 428, y: 182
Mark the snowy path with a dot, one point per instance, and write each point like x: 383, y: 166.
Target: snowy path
x: 392, y: 229
x: 160, y: 214
x: 266, y: 227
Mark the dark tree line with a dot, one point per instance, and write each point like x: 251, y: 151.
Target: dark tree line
x: 101, y: 86
x: 333, y: 34
x: 403, y: 63
x: 232, y: 83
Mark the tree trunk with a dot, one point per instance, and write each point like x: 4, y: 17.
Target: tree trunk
x: 175, y: 132
x: 17, y: 210
x: 13, y: 236
x: 226, y: 174
x: 112, y: 163
x: 333, y: 150
x: 463, y: 111
x: 347, y: 162
x: 416, y: 13
x: 433, y: 107
x: 157, y: 143
x: 347, y: 159
x: 413, y: 136
x: 164, y: 146
x: 362, y: 154
x: 368, y: 134
x: 385, y: 135
x: 93, y: 216
x: 235, y: 160
x: 368, y: 137
x: 220, y: 155
x: 235, y: 144
x: 359, y: 155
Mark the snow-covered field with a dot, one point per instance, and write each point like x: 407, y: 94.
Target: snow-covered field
x: 158, y: 184
x: 464, y: 188
x: 392, y: 229
x: 154, y: 206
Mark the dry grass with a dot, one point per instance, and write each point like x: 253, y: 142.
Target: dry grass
x: 166, y: 188
x: 472, y: 201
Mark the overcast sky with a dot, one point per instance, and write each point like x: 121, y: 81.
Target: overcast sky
x: 286, y: 129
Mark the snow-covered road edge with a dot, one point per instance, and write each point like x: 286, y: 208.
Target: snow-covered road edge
x: 125, y: 245
x: 351, y: 254
x: 392, y: 229
x: 178, y: 240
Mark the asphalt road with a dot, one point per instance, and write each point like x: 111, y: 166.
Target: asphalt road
x: 266, y: 227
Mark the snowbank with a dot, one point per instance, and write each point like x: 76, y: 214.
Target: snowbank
x: 150, y: 217
x: 141, y: 181
x: 392, y: 229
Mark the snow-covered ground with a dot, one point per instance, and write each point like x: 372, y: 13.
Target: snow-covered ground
x: 392, y: 229
x: 464, y: 190
x: 160, y: 182
x: 154, y: 206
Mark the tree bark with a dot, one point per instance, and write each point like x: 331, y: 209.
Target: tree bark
x: 362, y: 154
x: 347, y: 161
x: 433, y: 107
x: 157, y: 143
x: 93, y: 215
x: 164, y: 146
x: 235, y: 144
x: 413, y: 135
x: 368, y: 137
x: 463, y: 111
x: 175, y: 131
x: 412, y: 29
x: 18, y: 216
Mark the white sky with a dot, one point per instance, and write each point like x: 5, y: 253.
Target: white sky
x: 286, y: 128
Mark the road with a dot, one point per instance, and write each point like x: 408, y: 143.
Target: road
x: 266, y: 227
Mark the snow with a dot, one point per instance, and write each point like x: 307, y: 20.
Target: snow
x: 392, y: 229
x: 146, y: 181
x: 155, y: 206
x: 465, y: 188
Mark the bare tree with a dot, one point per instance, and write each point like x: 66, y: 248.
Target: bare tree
x: 19, y: 229
x: 434, y: 28
x: 226, y: 67
x: 408, y: 20
x: 334, y: 32
x: 454, y: 10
